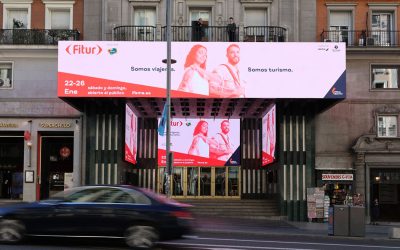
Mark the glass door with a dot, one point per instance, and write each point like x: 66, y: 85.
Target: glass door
x: 177, y: 182
x: 205, y: 181
x: 199, y: 182
x: 381, y: 28
x: 220, y: 181
x: 192, y: 181
x: 233, y: 181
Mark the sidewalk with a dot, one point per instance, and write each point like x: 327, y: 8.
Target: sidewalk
x: 282, y: 227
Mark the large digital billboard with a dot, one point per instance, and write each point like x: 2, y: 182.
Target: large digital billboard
x: 206, y: 142
x: 131, y: 123
x: 203, y: 70
x: 269, y: 136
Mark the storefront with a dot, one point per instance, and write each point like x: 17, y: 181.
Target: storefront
x: 338, y: 185
x: 38, y: 157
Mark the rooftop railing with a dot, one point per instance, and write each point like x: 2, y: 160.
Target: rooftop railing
x: 37, y: 36
x: 357, y: 38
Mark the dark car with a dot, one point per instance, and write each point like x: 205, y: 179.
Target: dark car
x: 137, y: 215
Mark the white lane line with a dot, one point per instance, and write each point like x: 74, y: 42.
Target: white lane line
x: 299, y: 242
x: 215, y: 247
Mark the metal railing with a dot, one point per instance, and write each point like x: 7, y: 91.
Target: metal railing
x: 264, y: 34
x: 356, y: 38
x: 205, y: 34
x: 37, y: 36
x: 134, y: 33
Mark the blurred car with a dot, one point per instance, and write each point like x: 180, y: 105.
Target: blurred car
x: 139, y: 216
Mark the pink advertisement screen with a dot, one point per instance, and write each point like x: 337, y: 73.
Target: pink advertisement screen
x: 269, y: 136
x: 206, y: 142
x: 202, y: 70
x: 131, y: 123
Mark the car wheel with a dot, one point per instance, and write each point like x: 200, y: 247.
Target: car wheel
x: 142, y: 237
x: 11, y: 231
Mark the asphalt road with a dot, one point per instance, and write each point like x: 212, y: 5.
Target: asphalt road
x: 217, y: 242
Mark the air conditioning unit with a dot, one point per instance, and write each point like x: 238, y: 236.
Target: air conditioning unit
x: 370, y: 41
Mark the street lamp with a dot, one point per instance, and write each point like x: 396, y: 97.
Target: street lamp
x: 169, y: 61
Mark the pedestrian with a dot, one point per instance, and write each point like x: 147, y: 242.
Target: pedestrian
x: 231, y: 29
x: 375, y: 212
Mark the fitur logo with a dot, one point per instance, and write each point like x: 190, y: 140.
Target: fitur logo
x: 80, y: 49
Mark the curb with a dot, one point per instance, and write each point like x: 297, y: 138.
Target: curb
x: 289, y: 233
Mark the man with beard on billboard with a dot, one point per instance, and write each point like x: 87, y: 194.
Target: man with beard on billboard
x: 228, y: 83
x: 222, y: 149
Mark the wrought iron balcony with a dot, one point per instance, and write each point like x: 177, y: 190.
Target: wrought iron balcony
x: 134, y: 33
x: 356, y: 38
x: 264, y: 34
x: 37, y: 36
x: 206, y: 34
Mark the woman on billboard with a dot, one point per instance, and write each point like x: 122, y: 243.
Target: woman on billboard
x: 200, y: 141
x: 195, y: 78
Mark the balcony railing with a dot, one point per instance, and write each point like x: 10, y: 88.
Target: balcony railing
x: 264, y: 34
x: 206, y: 34
x: 372, y: 38
x: 37, y: 36
x: 134, y: 33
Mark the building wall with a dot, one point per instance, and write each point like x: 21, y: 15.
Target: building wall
x: 350, y: 127
x: 296, y: 16
x: 33, y: 99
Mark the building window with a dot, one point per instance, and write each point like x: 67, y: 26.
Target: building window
x: 382, y: 28
x: 385, y: 76
x: 340, y: 23
x: 6, y: 75
x: 16, y: 17
x: 59, y: 15
x: 387, y: 126
x: 60, y: 19
x: 256, y: 21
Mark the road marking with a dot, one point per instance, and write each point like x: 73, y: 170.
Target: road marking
x: 225, y: 247
x: 296, y: 242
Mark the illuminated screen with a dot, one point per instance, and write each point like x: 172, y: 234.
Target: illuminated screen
x: 130, y: 135
x: 202, y: 70
x: 205, y: 142
x: 269, y: 136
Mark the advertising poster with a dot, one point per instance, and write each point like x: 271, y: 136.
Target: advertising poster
x: 269, y: 136
x: 202, y: 70
x: 206, y: 142
x: 130, y: 135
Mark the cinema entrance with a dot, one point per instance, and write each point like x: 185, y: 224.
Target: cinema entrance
x: 202, y: 182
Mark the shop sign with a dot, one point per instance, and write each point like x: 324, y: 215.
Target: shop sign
x: 8, y: 125
x: 337, y: 177
x: 54, y: 125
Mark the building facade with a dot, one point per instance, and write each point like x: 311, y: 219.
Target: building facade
x: 363, y: 129
x: 256, y: 21
x: 40, y: 135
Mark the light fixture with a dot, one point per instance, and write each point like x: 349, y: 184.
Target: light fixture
x: 377, y: 178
